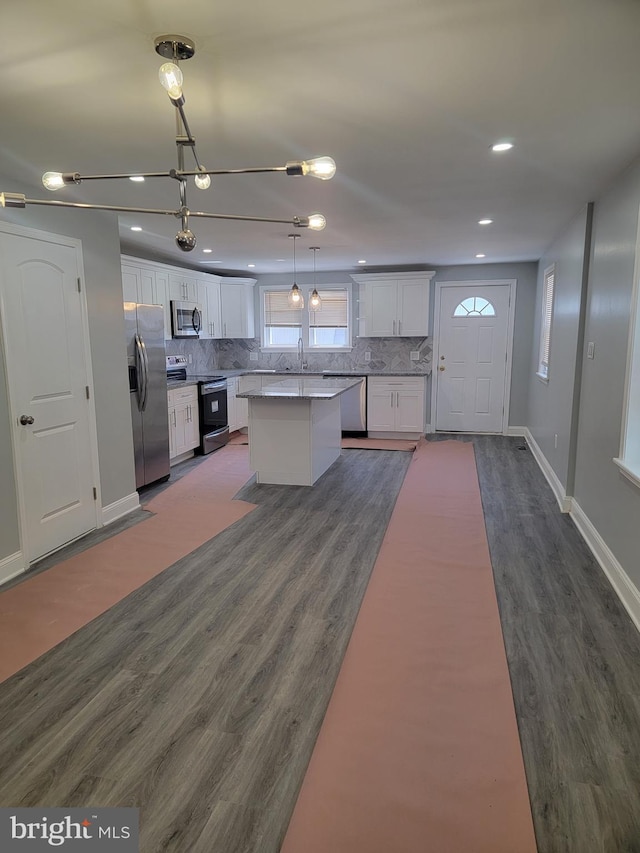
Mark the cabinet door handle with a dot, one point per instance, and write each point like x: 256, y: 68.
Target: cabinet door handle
x: 399, y: 326
x: 225, y: 330
x: 175, y: 422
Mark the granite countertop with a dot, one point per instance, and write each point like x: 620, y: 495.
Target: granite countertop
x: 299, y: 388
x: 362, y: 371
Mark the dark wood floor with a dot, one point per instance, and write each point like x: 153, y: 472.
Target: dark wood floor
x: 574, y: 660
x: 199, y: 696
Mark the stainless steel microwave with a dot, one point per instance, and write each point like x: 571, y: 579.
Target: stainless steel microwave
x: 186, y: 319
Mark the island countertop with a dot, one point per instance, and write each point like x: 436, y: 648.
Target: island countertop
x: 302, y: 388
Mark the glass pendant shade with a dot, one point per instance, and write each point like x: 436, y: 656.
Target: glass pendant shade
x: 315, y: 303
x: 295, y: 297
x: 171, y: 79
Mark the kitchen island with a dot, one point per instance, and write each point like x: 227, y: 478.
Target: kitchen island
x: 294, y: 428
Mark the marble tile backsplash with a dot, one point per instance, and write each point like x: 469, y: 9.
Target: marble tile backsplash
x: 387, y: 354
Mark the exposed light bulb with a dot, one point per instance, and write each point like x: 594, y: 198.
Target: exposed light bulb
x: 314, y: 301
x: 53, y: 180
x: 138, y: 179
x: 320, y: 167
x: 317, y: 222
x: 203, y: 182
x: 295, y: 297
x: 171, y: 79
x: 502, y: 146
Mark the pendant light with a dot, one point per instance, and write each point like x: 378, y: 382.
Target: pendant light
x: 295, y: 297
x: 315, y: 303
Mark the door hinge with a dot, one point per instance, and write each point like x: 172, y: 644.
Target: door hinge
x: 87, y: 392
x: 79, y: 285
x: 95, y: 494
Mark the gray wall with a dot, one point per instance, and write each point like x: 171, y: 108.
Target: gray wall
x: 611, y: 502
x: 550, y: 404
x: 101, y: 251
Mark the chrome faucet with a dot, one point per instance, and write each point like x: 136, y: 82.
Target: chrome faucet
x: 301, y: 362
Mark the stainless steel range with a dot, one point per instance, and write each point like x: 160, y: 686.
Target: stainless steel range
x: 212, y: 403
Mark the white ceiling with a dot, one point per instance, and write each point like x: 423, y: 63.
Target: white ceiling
x: 406, y: 95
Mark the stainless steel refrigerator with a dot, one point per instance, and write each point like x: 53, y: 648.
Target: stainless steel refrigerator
x: 148, y: 391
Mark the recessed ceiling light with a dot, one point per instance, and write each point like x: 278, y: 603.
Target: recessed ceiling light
x: 485, y: 221
x: 251, y: 266
x: 207, y: 251
x: 281, y: 260
x: 481, y: 256
x: 136, y: 228
x: 362, y: 261
x: 137, y: 178
x: 502, y: 146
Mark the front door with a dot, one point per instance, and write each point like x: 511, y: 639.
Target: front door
x: 471, y: 357
x: 44, y: 326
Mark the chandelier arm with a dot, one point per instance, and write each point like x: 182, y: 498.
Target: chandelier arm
x: 257, y: 170
x: 297, y: 221
x: 86, y: 206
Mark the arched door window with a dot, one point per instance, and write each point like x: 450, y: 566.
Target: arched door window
x: 474, y: 306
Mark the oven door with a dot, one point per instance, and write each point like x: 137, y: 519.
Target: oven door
x: 186, y: 319
x: 214, y: 422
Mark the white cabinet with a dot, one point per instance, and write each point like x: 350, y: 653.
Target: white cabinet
x: 394, y: 305
x: 396, y: 404
x: 183, y: 288
x: 209, y: 299
x: 236, y: 304
x: 147, y: 284
x: 184, y: 433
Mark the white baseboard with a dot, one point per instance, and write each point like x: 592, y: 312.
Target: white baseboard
x: 12, y: 566
x: 627, y: 592
x: 121, y: 507
x: 564, y: 502
x: 517, y: 431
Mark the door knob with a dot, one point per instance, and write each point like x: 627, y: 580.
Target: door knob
x: 441, y: 367
x: 26, y: 420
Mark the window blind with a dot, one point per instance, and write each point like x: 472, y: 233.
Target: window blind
x: 278, y: 312
x: 547, y: 313
x: 334, y: 313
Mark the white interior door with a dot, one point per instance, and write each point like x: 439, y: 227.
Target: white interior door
x: 471, y: 361
x: 48, y: 379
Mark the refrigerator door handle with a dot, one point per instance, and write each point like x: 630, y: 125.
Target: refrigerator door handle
x: 142, y: 364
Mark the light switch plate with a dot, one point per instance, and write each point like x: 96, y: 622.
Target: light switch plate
x: 415, y: 355
x: 590, y: 349
x: 253, y: 356
x: 367, y: 356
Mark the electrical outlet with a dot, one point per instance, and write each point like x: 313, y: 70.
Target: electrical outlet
x: 590, y: 349
x: 253, y: 356
x: 189, y: 359
x: 414, y: 355
x: 367, y: 356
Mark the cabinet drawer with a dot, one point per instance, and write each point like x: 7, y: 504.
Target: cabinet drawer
x: 395, y: 383
x: 182, y: 395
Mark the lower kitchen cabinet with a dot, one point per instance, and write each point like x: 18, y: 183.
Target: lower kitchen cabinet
x: 184, y: 431
x: 396, y: 405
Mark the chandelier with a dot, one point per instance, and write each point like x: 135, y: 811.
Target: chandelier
x: 175, y: 48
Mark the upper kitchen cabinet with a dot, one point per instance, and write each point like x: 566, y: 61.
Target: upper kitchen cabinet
x: 209, y: 299
x: 183, y: 288
x: 394, y: 305
x: 147, y: 283
x: 236, y: 303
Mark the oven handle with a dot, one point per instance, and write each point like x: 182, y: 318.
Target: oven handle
x: 142, y: 365
x: 209, y: 389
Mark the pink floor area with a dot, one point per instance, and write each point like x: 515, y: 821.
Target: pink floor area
x: 47, y: 608
x: 419, y: 750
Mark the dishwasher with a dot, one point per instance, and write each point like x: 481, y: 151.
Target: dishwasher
x: 353, y: 405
